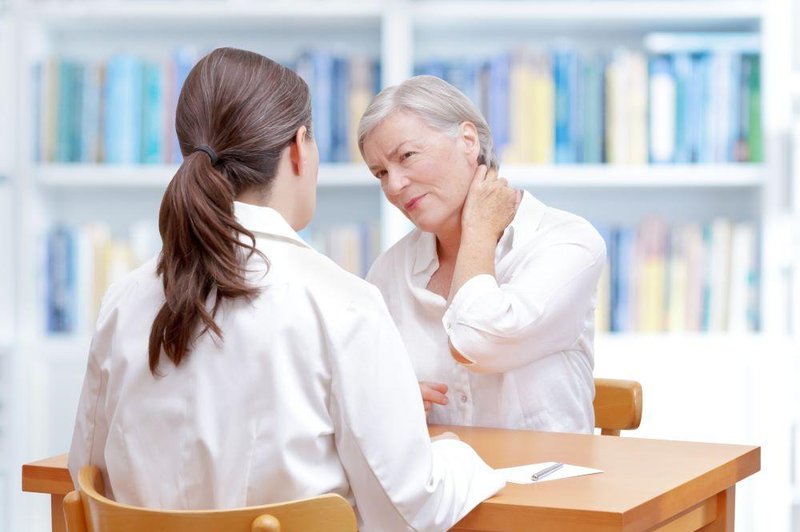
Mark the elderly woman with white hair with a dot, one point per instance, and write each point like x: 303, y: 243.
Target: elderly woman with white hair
x: 493, y: 291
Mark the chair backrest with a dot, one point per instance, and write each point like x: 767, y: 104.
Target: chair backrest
x: 617, y: 405
x: 88, y: 510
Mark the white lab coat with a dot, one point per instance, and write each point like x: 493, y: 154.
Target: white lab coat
x: 309, y: 392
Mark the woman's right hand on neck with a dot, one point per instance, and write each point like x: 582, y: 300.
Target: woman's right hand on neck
x: 489, y: 207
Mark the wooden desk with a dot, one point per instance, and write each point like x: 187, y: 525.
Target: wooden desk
x: 646, y: 484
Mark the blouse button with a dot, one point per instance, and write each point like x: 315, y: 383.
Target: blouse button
x: 463, y: 398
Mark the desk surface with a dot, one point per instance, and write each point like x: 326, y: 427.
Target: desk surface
x: 644, y: 483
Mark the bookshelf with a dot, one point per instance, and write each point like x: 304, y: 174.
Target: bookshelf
x: 402, y: 34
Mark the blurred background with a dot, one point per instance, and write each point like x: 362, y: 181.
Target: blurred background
x: 672, y: 125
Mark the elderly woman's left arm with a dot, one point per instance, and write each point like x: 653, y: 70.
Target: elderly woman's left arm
x: 540, y: 311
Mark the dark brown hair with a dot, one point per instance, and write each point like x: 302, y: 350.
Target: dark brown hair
x: 246, y: 109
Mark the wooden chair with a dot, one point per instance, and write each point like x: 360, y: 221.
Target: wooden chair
x: 617, y: 405
x: 87, y: 510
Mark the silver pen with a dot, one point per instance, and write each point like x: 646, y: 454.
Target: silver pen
x: 539, y: 475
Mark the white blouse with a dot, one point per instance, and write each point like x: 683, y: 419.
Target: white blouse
x: 529, y: 331
x: 310, y: 392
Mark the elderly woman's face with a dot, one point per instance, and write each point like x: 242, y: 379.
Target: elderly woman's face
x: 423, y: 172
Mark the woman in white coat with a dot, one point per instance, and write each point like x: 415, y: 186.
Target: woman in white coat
x: 240, y: 367
x: 493, y: 292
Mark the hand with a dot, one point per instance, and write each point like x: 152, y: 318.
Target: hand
x: 490, y: 205
x: 433, y: 392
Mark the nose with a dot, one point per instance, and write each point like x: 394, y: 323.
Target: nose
x: 394, y: 182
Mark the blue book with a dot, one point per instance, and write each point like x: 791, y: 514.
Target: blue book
x: 682, y: 67
x: 123, y: 110
x: 60, y: 280
x: 702, y: 79
x: 622, y: 257
x: 377, y: 79
x: 498, y: 117
x: 341, y: 110
x: 322, y: 103
x: 66, y: 88
x: 592, y: 98
x: 565, y: 74
x: 152, y: 114
x: 694, y: 109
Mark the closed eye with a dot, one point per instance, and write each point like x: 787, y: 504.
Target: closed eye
x: 380, y: 174
x: 406, y: 155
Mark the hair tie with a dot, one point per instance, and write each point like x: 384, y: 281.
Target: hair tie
x: 209, y: 152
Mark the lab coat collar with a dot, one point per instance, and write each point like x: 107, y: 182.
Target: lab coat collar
x: 265, y: 220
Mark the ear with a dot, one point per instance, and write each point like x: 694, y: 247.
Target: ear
x: 298, y: 150
x: 468, y: 134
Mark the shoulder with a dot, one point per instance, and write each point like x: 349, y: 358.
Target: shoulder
x: 137, y: 283
x: 562, y: 227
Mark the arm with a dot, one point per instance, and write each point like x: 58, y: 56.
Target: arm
x: 91, y: 427
x: 541, y: 311
x: 399, y: 478
x: 488, y: 209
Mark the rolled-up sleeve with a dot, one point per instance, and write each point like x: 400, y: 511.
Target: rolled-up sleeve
x: 400, y: 480
x: 541, y: 310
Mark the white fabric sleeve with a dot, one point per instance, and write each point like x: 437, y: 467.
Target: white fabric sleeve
x: 91, y: 426
x: 399, y: 479
x: 540, y: 311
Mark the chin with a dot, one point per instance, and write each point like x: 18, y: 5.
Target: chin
x: 427, y: 225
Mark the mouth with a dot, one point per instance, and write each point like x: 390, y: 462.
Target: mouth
x: 413, y: 202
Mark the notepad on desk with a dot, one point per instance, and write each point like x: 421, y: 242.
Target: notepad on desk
x: 525, y: 474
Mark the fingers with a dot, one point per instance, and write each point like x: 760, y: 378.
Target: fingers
x: 480, y: 174
x: 438, y: 386
x: 434, y: 392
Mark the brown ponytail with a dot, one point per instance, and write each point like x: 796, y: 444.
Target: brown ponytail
x: 246, y: 109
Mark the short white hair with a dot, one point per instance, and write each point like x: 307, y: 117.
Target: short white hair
x: 437, y: 103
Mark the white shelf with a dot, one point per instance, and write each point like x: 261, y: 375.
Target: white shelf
x: 633, y: 14
x: 60, y: 176
x: 648, y: 176
x: 195, y: 14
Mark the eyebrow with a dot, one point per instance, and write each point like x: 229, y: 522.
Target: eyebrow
x: 392, y: 154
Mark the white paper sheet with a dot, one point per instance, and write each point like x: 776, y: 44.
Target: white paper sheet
x: 522, y: 474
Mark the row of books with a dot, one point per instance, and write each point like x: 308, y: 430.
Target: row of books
x: 81, y: 262
x: 687, y: 277
x: 688, y: 98
x: 122, y: 110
